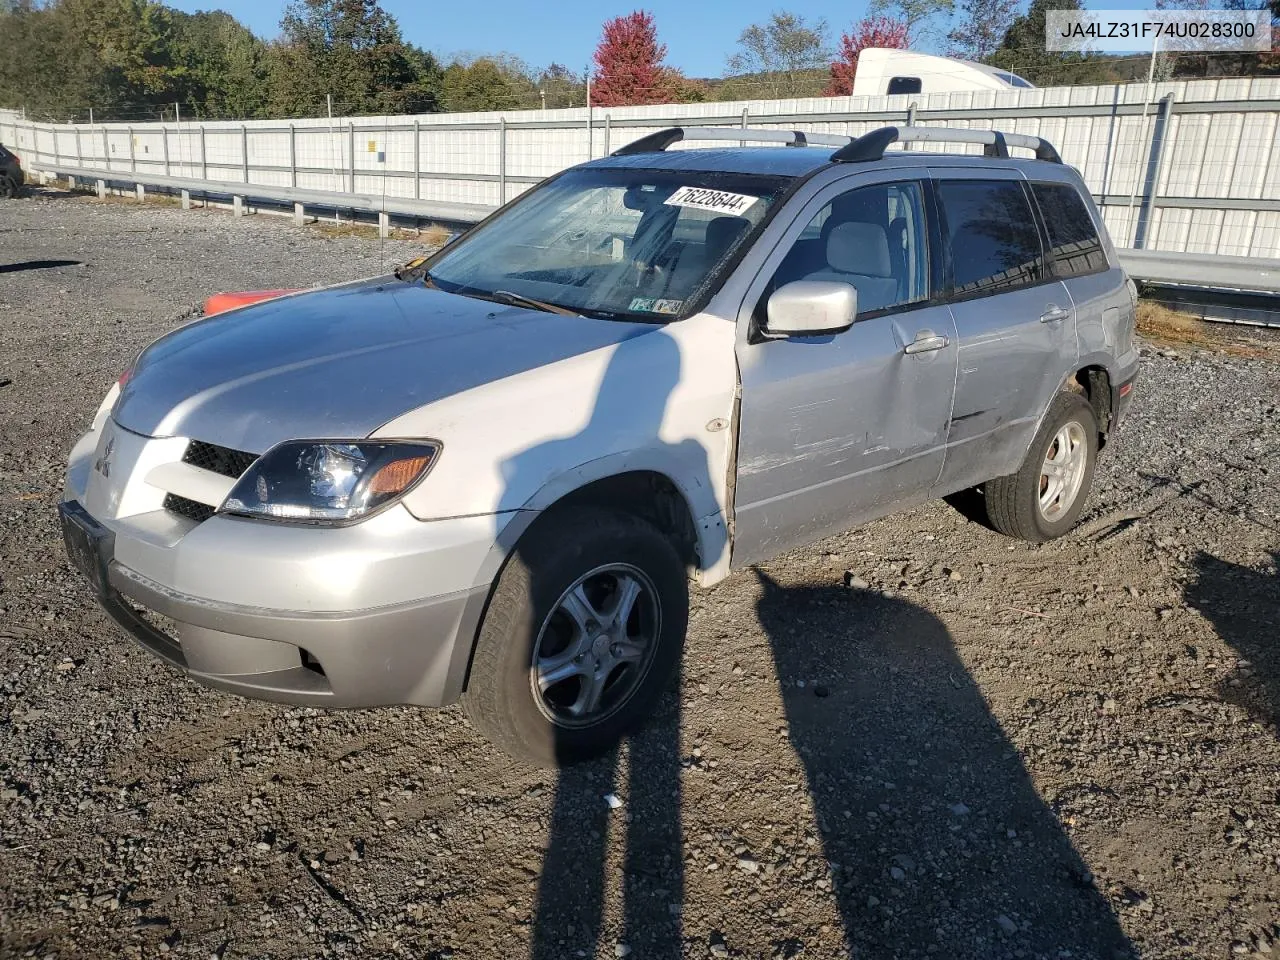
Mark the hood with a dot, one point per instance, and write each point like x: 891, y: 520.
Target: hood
x: 340, y: 362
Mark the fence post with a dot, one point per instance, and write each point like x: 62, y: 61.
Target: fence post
x: 244, y: 151
x: 133, y: 153
x: 57, y: 156
x: 417, y: 159
x: 106, y: 148
x: 502, y: 160
x: 911, y: 122
x: 204, y: 161
x: 351, y: 172
x: 743, y: 143
x: 607, y: 122
x: 164, y: 142
x: 79, y: 152
x: 293, y: 156
x: 1160, y: 135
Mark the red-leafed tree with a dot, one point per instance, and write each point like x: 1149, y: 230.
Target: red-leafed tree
x: 868, y: 32
x: 628, y: 64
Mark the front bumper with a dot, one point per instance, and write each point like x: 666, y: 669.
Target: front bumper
x: 402, y: 653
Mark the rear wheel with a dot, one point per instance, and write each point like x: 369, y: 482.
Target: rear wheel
x: 586, y: 623
x: 8, y: 188
x: 1046, y: 496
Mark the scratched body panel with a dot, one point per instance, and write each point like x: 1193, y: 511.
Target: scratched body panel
x: 835, y: 431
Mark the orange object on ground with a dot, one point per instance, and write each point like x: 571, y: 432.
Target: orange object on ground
x: 221, y: 302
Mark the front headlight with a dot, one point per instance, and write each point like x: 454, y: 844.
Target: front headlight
x: 329, y: 481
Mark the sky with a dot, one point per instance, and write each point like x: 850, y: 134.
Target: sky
x: 699, y: 34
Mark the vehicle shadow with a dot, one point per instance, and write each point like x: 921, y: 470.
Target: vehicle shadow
x: 1243, y: 605
x: 937, y: 839
x: 37, y: 265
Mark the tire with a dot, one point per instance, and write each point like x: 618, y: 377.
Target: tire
x: 534, y: 626
x: 8, y: 188
x: 1014, y: 503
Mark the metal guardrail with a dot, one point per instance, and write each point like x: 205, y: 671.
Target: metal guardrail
x: 440, y: 210
x: 1202, y: 271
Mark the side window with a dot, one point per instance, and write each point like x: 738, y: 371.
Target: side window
x: 872, y: 238
x: 904, y: 85
x: 1074, y: 247
x: 995, y: 244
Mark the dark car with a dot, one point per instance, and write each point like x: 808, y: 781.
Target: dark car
x: 11, y: 175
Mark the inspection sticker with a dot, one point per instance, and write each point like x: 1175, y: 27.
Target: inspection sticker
x: 703, y: 198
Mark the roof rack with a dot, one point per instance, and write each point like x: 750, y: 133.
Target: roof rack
x: 659, y: 141
x: 871, y: 146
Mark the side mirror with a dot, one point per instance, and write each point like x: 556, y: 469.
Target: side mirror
x: 811, y: 307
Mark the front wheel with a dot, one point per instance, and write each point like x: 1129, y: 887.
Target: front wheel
x: 1045, y: 497
x: 585, y: 625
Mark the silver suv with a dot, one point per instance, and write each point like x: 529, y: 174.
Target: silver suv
x: 490, y: 476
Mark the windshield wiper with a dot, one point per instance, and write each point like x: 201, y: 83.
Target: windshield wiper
x: 520, y: 300
x: 414, y: 271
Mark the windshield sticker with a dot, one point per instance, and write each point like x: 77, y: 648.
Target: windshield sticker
x: 653, y: 305
x: 703, y: 198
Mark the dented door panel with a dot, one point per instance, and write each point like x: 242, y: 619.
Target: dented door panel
x: 838, y: 430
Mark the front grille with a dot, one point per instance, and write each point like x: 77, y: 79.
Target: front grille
x: 220, y: 460
x: 191, y: 509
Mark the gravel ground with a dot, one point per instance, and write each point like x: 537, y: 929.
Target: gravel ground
x: 917, y: 739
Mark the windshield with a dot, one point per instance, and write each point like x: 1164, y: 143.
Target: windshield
x: 620, y: 244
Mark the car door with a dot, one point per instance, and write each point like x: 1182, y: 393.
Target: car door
x: 835, y: 430
x: 1015, y: 322
x: 1099, y: 294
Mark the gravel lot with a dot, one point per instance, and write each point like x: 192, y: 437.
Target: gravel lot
x: 917, y: 739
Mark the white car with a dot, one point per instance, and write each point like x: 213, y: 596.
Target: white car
x: 491, y: 475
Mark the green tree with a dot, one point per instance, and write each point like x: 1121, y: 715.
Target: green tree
x: 559, y: 87
x: 1023, y: 51
x: 112, y: 55
x: 784, y: 57
x: 983, y: 23
x: 489, y: 83
x: 920, y: 16
x: 352, y: 50
x: 225, y: 64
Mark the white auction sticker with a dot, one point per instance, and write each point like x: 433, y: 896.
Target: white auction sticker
x: 704, y: 198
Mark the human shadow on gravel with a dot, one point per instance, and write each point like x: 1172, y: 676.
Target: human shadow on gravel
x: 576, y: 880
x: 1243, y: 605
x: 570, y: 907
x: 937, y: 840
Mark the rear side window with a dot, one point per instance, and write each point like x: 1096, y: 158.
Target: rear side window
x: 995, y: 245
x: 1074, y: 247
x: 904, y: 85
x: 4, y: 154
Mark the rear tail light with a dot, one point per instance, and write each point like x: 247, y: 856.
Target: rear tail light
x: 124, y: 378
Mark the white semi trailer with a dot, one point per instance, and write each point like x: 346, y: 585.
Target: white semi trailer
x: 882, y: 71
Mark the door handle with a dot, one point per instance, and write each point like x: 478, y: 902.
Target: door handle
x: 1054, y: 313
x: 925, y: 342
